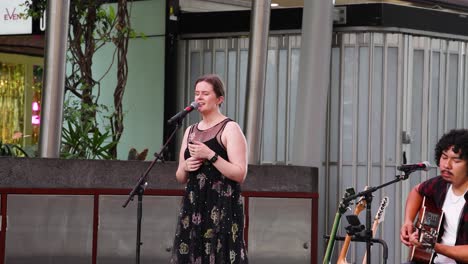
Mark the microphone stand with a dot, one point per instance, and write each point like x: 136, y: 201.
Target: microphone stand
x: 140, y: 187
x: 367, y: 194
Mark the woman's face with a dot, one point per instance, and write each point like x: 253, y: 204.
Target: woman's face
x: 206, y: 97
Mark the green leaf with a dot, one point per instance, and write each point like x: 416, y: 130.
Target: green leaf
x: 11, y: 150
x: 112, y: 15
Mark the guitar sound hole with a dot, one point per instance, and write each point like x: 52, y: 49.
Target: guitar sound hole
x: 431, y: 219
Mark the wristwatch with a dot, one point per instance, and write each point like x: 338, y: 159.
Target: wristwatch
x: 214, y: 158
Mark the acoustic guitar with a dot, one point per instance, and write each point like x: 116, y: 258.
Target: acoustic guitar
x: 428, y: 223
x: 360, y: 206
x: 379, y: 218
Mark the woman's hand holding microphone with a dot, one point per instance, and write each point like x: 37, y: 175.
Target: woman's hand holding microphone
x: 199, y: 152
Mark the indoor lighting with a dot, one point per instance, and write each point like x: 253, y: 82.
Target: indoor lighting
x: 274, y: 5
x: 35, y: 120
x: 35, y: 106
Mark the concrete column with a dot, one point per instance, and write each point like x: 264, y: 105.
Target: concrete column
x: 54, y: 78
x: 314, y: 76
x: 258, y: 50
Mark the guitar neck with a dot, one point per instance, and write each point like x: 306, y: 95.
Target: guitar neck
x: 375, y: 226
x: 344, y: 251
x: 379, y: 217
x: 331, y: 241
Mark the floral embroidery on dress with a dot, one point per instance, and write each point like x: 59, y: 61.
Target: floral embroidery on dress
x: 228, y: 191
x: 201, y: 180
x: 196, y: 218
x: 217, y: 186
x: 183, y: 249
x: 207, y: 248
x: 232, y: 256
x: 208, y: 233
x: 191, y: 197
x: 215, y: 215
x: 234, y: 230
x: 185, y: 222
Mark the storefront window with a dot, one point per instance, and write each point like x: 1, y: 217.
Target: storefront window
x: 12, y: 85
x: 20, y: 101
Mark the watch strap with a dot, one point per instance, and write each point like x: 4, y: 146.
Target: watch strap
x: 214, y: 158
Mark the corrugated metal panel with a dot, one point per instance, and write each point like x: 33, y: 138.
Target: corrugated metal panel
x: 228, y: 57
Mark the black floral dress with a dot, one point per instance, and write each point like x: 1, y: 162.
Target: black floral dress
x: 211, y: 220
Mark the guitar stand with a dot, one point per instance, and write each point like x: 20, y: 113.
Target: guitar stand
x: 373, y: 240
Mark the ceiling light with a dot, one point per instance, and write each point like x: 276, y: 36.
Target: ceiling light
x: 274, y: 5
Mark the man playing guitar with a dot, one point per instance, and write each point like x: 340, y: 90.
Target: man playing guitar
x: 448, y: 193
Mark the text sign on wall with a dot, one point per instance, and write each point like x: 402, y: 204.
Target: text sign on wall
x: 11, y: 21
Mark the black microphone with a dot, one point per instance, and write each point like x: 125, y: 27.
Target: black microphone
x: 179, y: 116
x: 408, y: 168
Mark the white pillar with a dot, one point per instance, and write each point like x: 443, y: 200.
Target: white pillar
x: 258, y: 51
x: 54, y: 78
x: 314, y: 75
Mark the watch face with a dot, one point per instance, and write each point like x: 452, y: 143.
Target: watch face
x: 214, y: 158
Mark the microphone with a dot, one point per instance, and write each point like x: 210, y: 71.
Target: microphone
x: 179, y: 116
x: 408, y: 168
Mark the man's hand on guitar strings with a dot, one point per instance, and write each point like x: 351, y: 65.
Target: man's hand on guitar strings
x: 429, y: 238
x: 414, y: 239
x: 405, y: 233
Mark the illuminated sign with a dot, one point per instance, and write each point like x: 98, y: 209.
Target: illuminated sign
x: 11, y: 21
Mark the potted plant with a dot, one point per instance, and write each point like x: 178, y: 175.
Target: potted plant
x: 11, y: 150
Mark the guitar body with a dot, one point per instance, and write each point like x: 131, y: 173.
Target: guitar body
x: 429, y: 223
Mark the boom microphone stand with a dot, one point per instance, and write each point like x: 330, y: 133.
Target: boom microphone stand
x: 140, y: 187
